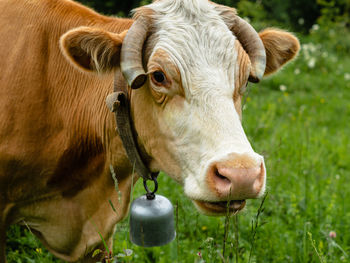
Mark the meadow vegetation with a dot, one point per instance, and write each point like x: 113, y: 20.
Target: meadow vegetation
x: 299, y: 120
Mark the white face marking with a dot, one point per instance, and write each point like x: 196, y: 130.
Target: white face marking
x: 206, y: 127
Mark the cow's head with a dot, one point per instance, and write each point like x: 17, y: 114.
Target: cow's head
x: 188, y: 63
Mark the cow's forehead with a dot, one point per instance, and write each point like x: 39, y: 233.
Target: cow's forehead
x: 197, y: 39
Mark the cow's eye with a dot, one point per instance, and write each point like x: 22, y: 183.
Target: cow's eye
x: 158, y: 77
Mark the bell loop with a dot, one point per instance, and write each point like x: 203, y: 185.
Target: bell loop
x: 151, y: 194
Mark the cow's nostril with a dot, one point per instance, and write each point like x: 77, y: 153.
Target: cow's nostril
x: 220, y: 176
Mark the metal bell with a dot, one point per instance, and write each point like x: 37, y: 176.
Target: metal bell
x: 151, y: 220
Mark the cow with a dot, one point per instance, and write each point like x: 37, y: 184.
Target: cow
x: 185, y: 63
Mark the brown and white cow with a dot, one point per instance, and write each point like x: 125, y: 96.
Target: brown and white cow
x: 189, y: 59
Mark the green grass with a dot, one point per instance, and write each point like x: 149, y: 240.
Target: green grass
x: 303, y: 132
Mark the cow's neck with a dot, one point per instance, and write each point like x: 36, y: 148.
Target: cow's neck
x: 83, y: 95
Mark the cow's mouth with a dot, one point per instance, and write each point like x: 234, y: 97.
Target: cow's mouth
x: 222, y: 207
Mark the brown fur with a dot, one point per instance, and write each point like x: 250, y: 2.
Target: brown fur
x: 57, y: 138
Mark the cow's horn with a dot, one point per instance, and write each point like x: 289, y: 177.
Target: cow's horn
x: 131, y: 53
x: 249, y: 39
x: 253, y: 45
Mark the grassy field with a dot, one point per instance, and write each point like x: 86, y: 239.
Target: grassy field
x: 300, y: 121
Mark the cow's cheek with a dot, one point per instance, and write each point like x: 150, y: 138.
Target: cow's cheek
x: 176, y: 127
x: 165, y: 148
x: 154, y: 137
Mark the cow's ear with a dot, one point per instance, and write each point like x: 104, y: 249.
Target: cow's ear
x: 92, y: 49
x: 280, y: 46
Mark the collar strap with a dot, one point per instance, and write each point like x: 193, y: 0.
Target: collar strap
x: 118, y: 102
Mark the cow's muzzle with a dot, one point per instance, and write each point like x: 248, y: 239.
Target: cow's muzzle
x: 237, y: 177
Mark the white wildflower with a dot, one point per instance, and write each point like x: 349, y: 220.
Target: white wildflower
x: 283, y: 88
x: 128, y: 252
x: 309, y: 50
x: 313, y: 48
x: 297, y: 71
x: 347, y: 76
x: 209, y: 239
x: 311, y: 63
x: 315, y: 27
x: 301, y: 21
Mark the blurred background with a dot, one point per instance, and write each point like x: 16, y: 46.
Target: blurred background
x: 299, y: 15
x: 299, y: 119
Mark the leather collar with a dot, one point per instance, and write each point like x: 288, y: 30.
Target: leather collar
x: 119, y: 103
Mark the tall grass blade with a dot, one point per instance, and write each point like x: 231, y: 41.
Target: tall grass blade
x: 235, y: 222
x: 116, y: 184
x: 255, y: 227
x: 226, y: 230
x: 177, y: 231
x: 305, y: 242
x: 113, y: 208
x: 227, y: 224
x: 103, y: 240
x: 314, y: 246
